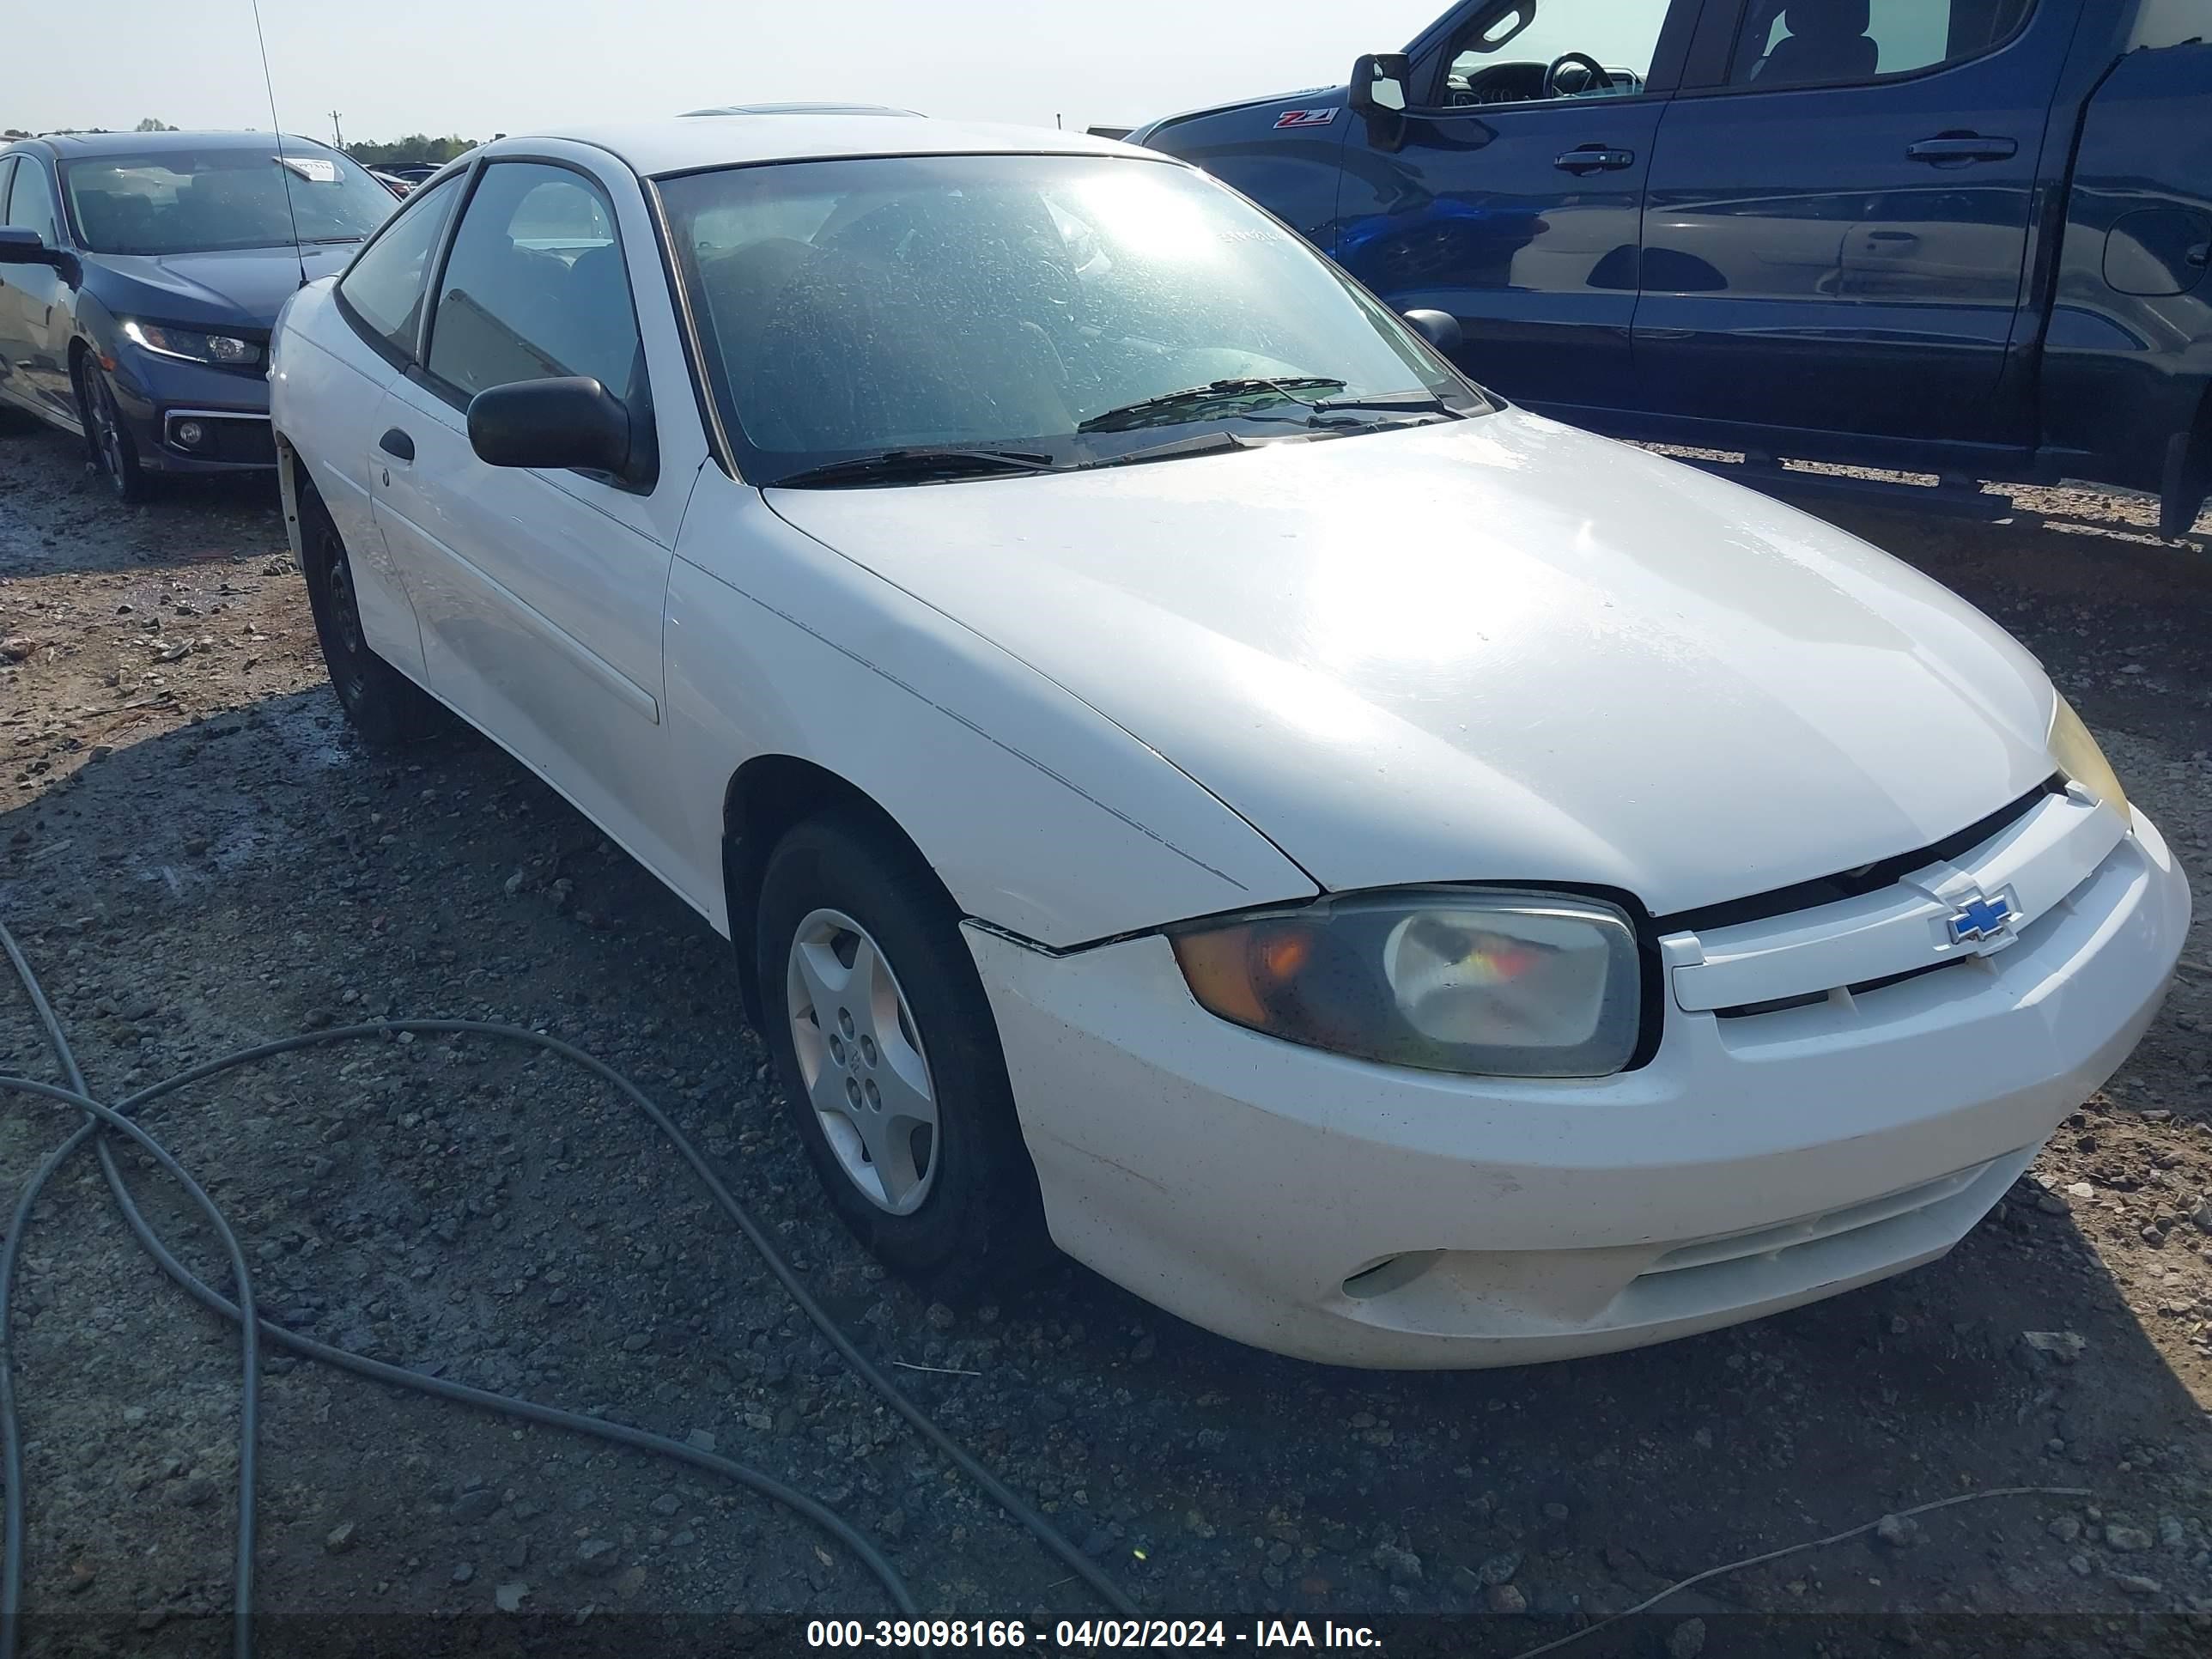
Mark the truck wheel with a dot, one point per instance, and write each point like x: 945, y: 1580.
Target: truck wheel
x: 890, y: 1061
x: 381, y: 703
x: 2188, y: 481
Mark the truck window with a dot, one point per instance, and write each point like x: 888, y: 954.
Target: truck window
x: 1493, y: 62
x: 1823, y: 42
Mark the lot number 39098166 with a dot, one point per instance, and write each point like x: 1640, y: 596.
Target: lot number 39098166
x: 1078, y: 1634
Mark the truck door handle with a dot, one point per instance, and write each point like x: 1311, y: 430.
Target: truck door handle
x: 397, y: 445
x: 1962, y: 147
x: 1595, y: 158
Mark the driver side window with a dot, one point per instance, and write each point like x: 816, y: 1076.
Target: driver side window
x: 31, y: 206
x: 536, y: 286
x: 1533, y: 51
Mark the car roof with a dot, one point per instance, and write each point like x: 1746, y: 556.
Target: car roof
x: 803, y: 109
x: 70, y: 145
x: 688, y: 144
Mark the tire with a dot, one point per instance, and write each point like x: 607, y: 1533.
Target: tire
x: 113, y: 451
x: 2186, y: 480
x: 380, y: 703
x: 952, y: 1204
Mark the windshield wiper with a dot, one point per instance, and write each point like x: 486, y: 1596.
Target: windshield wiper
x: 1171, y: 405
x: 916, y: 465
x: 1204, y: 443
x: 324, y: 242
x: 1416, y: 402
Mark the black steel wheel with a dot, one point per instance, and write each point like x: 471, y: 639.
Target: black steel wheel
x: 381, y: 703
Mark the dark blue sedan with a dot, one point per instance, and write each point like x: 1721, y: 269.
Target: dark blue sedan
x: 140, y: 273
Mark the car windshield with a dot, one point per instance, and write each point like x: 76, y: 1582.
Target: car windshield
x: 200, y: 201
x: 1072, y: 309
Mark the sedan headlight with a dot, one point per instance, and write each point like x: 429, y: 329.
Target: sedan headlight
x: 1490, y: 983
x: 2082, y: 760
x: 226, y: 350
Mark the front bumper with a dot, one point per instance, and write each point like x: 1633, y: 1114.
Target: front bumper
x: 1358, y: 1214
x: 231, y: 406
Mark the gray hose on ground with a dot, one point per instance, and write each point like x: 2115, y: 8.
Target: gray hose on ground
x: 78, y: 1094
x: 250, y: 1327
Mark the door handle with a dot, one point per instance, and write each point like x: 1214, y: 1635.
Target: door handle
x: 1962, y: 147
x: 397, y: 445
x: 1595, y: 158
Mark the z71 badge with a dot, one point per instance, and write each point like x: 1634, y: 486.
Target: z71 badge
x: 1305, y: 118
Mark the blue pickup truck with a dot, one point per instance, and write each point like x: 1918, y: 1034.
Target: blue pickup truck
x: 1964, y: 237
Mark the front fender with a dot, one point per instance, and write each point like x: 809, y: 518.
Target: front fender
x: 1041, y: 817
x: 94, y: 325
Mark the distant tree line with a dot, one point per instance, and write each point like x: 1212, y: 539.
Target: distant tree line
x: 149, y: 124
x: 416, y: 147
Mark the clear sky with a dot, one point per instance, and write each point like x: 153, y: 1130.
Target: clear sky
x: 482, y: 66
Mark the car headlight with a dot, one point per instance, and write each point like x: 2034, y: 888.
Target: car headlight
x: 1478, y: 981
x: 226, y: 350
x: 2082, y: 760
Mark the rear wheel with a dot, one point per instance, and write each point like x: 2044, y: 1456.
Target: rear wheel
x: 381, y: 703
x: 2187, y: 479
x: 889, y: 1059
x: 114, y: 451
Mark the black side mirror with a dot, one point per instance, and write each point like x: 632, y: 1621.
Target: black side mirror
x: 1377, y: 96
x: 23, y: 247
x: 1439, y: 328
x: 570, y: 421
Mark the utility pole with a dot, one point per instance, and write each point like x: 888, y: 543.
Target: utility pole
x: 337, y: 137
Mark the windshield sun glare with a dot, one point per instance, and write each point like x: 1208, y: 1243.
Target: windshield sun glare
x: 216, y: 200
x: 861, y: 308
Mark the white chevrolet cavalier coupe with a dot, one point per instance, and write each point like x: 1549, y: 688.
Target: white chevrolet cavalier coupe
x: 1386, y: 877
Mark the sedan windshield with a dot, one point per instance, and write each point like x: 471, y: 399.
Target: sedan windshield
x: 202, y: 201
x: 1060, y: 310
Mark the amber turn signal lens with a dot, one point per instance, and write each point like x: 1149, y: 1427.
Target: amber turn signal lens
x: 1217, y: 966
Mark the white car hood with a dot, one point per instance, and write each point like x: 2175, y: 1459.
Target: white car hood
x: 1495, y: 650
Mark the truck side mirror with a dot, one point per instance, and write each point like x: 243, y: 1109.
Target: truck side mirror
x: 1377, y: 96
x: 1439, y: 328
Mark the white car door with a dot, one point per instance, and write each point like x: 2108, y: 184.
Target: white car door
x: 540, y: 593
x: 341, y: 346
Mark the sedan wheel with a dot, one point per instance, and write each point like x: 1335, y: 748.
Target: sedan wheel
x: 114, y: 452
x: 865, y: 1070
x: 382, y: 704
x: 345, y: 653
x: 889, y: 1056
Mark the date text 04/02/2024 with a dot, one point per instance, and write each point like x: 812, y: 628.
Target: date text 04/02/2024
x: 1085, y: 1634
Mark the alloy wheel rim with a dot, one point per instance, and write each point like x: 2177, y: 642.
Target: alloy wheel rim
x: 861, y: 1059
x: 111, y: 433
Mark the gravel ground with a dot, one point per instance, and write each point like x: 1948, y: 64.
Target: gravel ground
x: 198, y: 857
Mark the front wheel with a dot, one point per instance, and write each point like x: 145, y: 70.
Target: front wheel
x: 889, y: 1059
x: 114, y: 451
x: 381, y: 703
